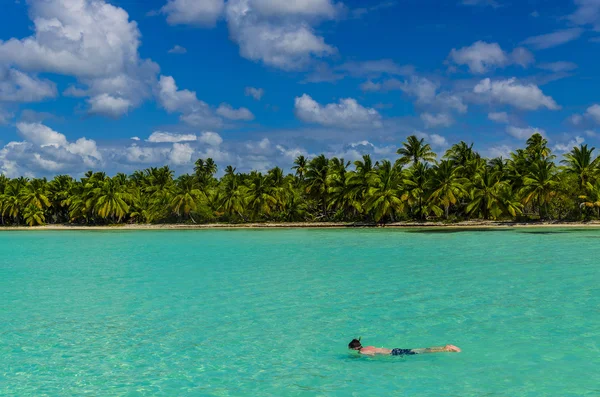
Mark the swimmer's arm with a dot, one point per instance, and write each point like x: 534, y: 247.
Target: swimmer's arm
x: 438, y: 349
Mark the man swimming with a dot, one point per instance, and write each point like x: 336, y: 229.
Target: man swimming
x: 372, y: 351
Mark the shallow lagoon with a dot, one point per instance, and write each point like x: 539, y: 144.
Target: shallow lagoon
x: 270, y: 312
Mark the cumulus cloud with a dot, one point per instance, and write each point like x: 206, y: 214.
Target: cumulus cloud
x: 177, y: 49
x: 16, y: 86
x: 204, y: 13
x: 498, y: 117
x: 193, y: 111
x: 225, y: 110
x: 162, y: 137
x: 279, y: 33
x: 210, y: 138
x: 348, y: 113
x: 375, y: 68
x: 91, y: 40
x: 437, y: 120
x: 256, y: 93
x: 523, y: 133
x: 553, y: 39
x: 587, y: 13
x: 569, y: 145
x: 511, y: 92
x: 46, y: 151
x: 481, y: 57
x: 558, y: 67
x: 109, y: 105
x: 594, y: 112
x: 436, y: 140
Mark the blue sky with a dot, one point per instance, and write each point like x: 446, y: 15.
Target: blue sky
x: 127, y: 84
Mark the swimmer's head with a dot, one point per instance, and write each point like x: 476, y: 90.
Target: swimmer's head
x: 355, y: 344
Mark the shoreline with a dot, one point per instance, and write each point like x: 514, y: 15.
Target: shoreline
x: 317, y: 225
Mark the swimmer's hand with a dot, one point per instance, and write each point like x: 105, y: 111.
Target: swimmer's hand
x: 452, y: 349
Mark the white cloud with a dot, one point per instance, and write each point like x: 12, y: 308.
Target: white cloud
x: 369, y: 86
x: 557, y: 67
x: 107, y: 105
x: 481, y: 57
x: 91, y: 40
x: 225, y: 110
x: 554, y: 39
x: 427, y: 96
x: 576, y: 119
x: 375, y: 68
x: 256, y: 93
x: 594, y: 112
x: 41, y: 135
x: 181, y: 153
x: 523, y: 133
x: 47, y: 151
x: 498, y: 117
x: 436, y: 140
x: 162, y: 137
x: 177, y: 49
x: 278, y: 32
x: 135, y: 138
x: 16, y: 86
x: 511, y: 92
x: 4, y: 116
x: 210, y: 138
x: 567, y: 146
x: 503, y: 151
x: 437, y: 120
x: 193, y: 111
x: 587, y: 13
x: 307, y: 8
x: 348, y: 113
x: 194, y: 12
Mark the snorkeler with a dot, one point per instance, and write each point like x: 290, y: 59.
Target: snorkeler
x: 371, y: 350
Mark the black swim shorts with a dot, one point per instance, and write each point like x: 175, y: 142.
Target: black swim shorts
x: 402, y: 352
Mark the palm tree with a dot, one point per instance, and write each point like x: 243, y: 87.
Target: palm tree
x: 110, y: 200
x: 261, y: 197
x: 580, y: 162
x: 186, y: 196
x: 232, y: 199
x: 384, y: 197
x: 35, y: 193
x: 540, y: 185
x: 488, y: 195
x: 341, y: 199
x: 461, y: 153
x: 592, y: 198
x: 415, y: 150
x: 316, y: 180
x: 12, y: 203
x: 300, y: 166
x: 34, y: 215
x: 537, y: 148
x: 59, y: 191
x: 447, y: 185
x: 417, y: 183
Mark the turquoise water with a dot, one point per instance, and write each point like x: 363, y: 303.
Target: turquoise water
x: 270, y: 312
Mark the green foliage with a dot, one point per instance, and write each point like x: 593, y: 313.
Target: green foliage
x: 528, y: 186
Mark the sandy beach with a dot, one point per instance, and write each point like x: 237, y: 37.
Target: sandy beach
x: 316, y: 225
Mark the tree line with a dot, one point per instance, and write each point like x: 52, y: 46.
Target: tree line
x: 531, y: 184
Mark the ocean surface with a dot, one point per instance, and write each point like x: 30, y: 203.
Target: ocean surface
x: 270, y: 312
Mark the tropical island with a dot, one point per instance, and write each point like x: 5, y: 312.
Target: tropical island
x: 531, y: 185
